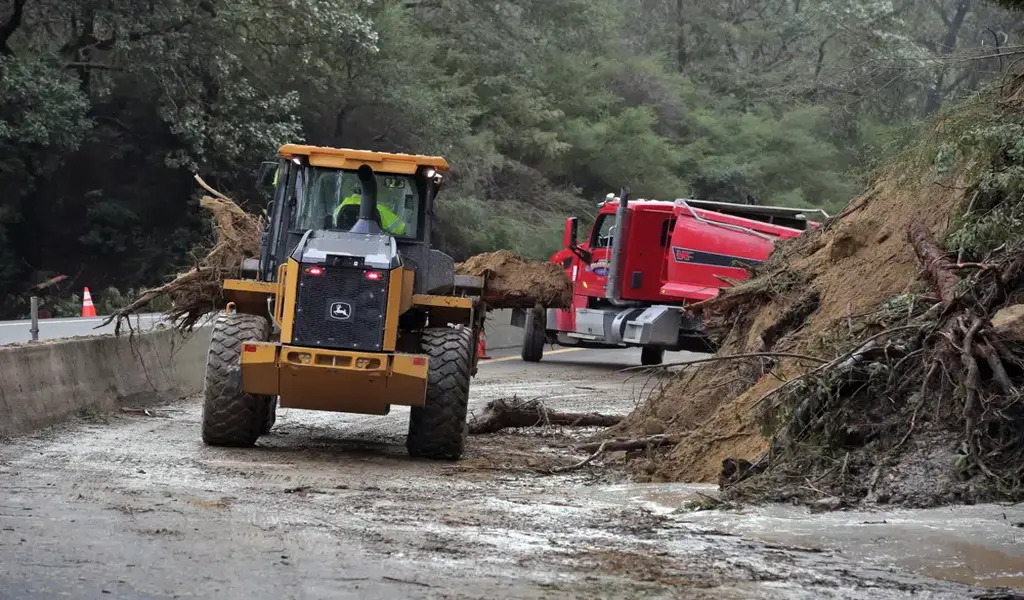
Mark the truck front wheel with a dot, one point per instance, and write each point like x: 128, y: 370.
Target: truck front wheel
x: 651, y: 356
x: 534, y: 336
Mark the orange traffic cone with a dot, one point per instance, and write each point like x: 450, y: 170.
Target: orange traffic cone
x: 481, y: 346
x: 88, y: 310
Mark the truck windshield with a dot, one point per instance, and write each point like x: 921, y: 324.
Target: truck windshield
x: 330, y: 198
x: 604, y: 231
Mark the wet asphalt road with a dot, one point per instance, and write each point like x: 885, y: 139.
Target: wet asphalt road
x: 18, y: 332
x: 329, y: 506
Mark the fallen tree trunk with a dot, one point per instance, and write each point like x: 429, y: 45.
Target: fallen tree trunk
x: 626, y: 445
x: 504, y: 414
x: 937, y: 265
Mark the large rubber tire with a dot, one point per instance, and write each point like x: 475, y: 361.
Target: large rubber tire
x: 269, y: 414
x: 438, y: 429
x: 651, y: 356
x: 534, y: 337
x: 230, y: 416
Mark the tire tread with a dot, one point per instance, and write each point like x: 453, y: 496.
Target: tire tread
x: 438, y: 429
x: 232, y: 417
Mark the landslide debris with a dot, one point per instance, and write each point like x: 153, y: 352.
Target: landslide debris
x: 919, y: 399
x: 198, y: 291
x: 513, y: 282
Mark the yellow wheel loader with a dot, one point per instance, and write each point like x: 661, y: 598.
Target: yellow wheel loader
x: 348, y: 308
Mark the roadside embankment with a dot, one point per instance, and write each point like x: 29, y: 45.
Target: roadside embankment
x: 43, y: 384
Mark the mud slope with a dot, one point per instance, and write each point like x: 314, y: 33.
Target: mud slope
x: 850, y: 268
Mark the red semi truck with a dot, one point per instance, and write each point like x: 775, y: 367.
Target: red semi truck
x: 643, y: 262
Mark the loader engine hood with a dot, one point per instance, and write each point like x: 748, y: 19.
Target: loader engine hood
x: 341, y: 296
x: 375, y: 251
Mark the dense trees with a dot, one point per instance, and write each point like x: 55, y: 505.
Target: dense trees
x: 543, y: 106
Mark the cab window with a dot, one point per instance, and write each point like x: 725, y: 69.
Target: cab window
x: 330, y: 198
x: 604, y: 231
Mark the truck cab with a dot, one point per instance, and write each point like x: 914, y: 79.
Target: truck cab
x: 643, y: 262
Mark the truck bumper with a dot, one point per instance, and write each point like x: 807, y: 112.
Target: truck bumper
x: 660, y: 325
x: 655, y: 326
x: 334, y: 380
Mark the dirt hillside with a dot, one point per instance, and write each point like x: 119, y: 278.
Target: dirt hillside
x: 853, y: 266
x: 896, y: 385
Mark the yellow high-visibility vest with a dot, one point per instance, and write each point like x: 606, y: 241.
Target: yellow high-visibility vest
x: 389, y: 221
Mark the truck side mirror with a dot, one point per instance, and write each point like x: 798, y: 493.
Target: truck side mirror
x: 569, y: 239
x: 569, y: 236
x: 268, y: 173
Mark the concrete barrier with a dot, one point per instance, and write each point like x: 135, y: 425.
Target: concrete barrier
x: 501, y: 334
x: 43, y: 384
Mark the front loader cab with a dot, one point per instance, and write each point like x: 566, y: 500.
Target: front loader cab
x: 350, y: 309
x: 330, y: 191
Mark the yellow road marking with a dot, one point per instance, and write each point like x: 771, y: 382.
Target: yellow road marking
x: 562, y: 351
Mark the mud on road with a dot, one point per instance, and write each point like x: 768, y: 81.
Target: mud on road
x: 329, y: 506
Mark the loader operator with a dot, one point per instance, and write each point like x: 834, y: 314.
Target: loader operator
x: 389, y: 221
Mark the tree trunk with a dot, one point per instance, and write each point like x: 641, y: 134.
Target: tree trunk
x: 934, y: 260
x: 681, y: 57
x: 12, y: 25
x: 937, y: 92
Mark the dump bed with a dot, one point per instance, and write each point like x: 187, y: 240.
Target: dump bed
x: 714, y: 243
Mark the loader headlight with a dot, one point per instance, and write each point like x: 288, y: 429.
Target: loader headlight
x: 362, y: 363
x: 305, y: 358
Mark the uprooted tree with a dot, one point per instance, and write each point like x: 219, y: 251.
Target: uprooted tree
x: 199, y: 290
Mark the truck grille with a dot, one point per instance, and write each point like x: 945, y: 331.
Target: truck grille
x: 340, y: 309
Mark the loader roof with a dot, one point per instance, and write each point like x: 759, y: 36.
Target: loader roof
x: 345, y: 158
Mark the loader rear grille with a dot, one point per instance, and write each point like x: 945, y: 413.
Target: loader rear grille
x: 341, y: 309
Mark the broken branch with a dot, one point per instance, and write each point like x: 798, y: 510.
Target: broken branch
x: 732, y: 357
x: 940, y: 270
x: 627, y: 445
x: 586, y: 461
x: 504, y: 414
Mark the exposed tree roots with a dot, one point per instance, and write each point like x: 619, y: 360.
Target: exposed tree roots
x: 937, y: 370
x: 199, y: 291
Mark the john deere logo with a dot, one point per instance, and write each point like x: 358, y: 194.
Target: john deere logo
x: 341, y: 311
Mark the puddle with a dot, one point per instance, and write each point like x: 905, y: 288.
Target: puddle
x: 975, y: 545
x: 659, y: 498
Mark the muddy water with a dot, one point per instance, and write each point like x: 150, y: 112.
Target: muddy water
x: 330, y: 506
x: 977, y: 545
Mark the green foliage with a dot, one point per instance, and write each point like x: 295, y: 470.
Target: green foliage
x: 782, y: 158
x: 599, y: 151
x: 107, y: 108
x: 110, y: 300
x: 68, y: 306
x: 983, y: 141
x: 43, y: 107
